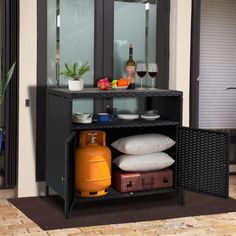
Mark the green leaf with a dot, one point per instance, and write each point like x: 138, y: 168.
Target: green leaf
x: 9, y: 76
x: 75, y: 68
x: 67, y: 67
x: 84, y: 68
x: 3, y: 83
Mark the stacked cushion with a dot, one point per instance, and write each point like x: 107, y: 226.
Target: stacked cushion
x: 144, y: 152
x: 143, y: 144
x: 143, y: 163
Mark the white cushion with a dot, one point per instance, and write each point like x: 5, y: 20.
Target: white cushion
x: 148, y: 162
x: 143, y: 143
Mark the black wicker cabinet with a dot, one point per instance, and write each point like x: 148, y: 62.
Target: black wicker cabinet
x: 201, y: 156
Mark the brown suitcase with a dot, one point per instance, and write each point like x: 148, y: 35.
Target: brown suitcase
x: 141, y: 181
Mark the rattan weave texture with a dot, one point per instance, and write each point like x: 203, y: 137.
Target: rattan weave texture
x: 57, y: 130
x: 169, y: 108
x: 125, y: 124
x: 97, y: 93
x: 202, y: 164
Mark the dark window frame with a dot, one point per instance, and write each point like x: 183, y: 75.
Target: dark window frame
x: 12, y: 93
x: 195, y: 63
x: 103, y: 61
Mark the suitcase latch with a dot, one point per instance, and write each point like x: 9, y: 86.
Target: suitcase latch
x: 129, y: 184
x: 147, y: 184
x: 165, y: 180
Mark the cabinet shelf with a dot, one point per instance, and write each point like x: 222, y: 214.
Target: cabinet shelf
x: 125, y: 124
x: 113, y: 194
x: 97, y: 93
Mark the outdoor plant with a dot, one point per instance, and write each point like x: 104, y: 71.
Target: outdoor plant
x: 74, y: 71
x: 5, y: 81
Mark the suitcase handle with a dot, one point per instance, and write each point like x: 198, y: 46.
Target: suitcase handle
x: 147, y: 184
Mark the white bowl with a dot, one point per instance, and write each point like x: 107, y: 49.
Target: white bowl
x: 145, y: 117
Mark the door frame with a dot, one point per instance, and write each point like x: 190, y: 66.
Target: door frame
x: 11, y: 55
x: 194, y: 70
x: 195, y: 63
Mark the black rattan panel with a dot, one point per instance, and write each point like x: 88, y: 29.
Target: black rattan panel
x: 97, y: 93
x: 202, y: 163
x: 58, y: 128
x: 169, y: 108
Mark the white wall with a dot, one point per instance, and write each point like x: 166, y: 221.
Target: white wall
x: 180, y: 23
x: 27, y: 115
x: 180, y: 39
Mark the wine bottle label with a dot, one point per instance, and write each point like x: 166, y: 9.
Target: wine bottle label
x: 130, y: 73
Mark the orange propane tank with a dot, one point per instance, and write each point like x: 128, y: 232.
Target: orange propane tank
x: 93, y: 164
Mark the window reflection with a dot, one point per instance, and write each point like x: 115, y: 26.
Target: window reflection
x: 70, y: 40
x: 134, y: 23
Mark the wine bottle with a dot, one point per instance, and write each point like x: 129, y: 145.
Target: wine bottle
x: 130, y: 68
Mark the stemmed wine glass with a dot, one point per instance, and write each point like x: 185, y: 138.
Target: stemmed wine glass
x: 152, y: 71
x: 141, y: 72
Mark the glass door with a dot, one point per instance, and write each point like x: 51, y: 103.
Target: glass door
x: 71, y: 40
x: 2, y: 105
x: 134, y: 23
x: 9, y: 104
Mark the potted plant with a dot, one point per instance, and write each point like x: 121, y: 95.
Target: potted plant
x: 5, y: 81
x: 74, y: 72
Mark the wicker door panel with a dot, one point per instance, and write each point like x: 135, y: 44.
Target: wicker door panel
x: 202, y: 161
x: 58, y: 128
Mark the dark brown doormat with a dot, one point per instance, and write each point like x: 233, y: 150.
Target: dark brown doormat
x: 47, y: 212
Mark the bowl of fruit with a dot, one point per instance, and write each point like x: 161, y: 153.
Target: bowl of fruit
x: 122, y: 83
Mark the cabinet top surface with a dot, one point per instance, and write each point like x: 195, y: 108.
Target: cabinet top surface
x: 95, y: 92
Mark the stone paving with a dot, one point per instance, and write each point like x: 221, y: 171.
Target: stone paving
x: 13, y: 222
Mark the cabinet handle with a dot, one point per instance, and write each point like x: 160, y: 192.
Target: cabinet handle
x: 62, y: 179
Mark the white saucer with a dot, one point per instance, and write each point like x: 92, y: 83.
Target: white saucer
x: 145, y: 117
x: 128, y: 116
x: 119, y: 87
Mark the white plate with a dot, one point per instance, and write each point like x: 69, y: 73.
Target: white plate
x: 145, y: 117
x: 128, y: 116
x: 119, y: 87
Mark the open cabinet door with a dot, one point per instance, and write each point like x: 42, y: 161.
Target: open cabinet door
x: 203, y: 161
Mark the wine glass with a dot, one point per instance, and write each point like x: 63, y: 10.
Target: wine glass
x: 141, y: 72
x: 152, y: 71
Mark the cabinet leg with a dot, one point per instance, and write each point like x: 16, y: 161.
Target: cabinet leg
x: 68, y: 207
x: 181, y: 198
x: 46, y: 190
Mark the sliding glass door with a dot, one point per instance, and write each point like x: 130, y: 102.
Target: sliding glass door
x: 71, y: 40
x: 9, y: 105
x: 97, y: 32
x: 2, y: 50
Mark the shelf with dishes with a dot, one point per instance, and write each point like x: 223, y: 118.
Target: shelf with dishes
x: 119, y: 123
x: 107, y: 120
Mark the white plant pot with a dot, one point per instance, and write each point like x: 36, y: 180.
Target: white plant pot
x: 76, y: 85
